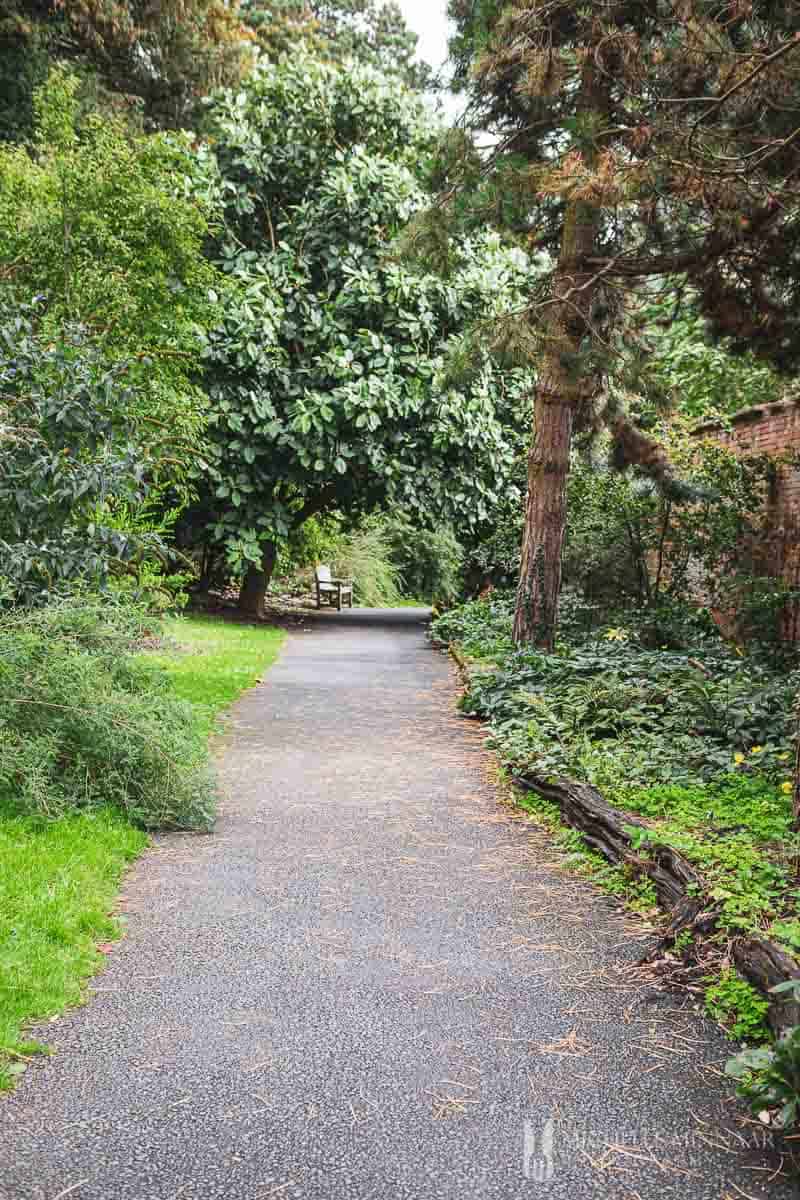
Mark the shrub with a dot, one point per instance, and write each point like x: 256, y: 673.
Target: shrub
x: 70, y: 466
x: 429, y: 560
x: 674, y: 562
x: 87, y: 722
x: 365, y: 556
x: 494, y: 556
x: 313, y: 542
x: 482, y: 628
x: 610, y: 710
x: 100, y: 221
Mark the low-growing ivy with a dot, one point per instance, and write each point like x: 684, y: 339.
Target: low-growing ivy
x: 733, y: 1002
x: 698, y: 741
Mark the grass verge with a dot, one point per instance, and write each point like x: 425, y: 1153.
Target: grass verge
x: 59, y: 878
x: 211, y: 662
x: 58, y: 883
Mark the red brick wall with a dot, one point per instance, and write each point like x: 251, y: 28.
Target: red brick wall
x: 773, y: 429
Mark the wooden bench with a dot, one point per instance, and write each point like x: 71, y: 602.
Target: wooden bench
x: 336, y: 590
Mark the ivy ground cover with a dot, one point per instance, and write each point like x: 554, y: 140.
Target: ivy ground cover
x: 697, y: 741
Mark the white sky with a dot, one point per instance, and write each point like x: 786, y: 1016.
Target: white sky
x: 428, y: 19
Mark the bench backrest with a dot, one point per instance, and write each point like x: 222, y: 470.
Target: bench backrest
x: 323, y: 573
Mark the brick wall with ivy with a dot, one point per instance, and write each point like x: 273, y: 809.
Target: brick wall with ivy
x: 772, y: 429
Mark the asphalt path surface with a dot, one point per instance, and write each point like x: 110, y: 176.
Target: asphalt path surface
x: 374, y: 980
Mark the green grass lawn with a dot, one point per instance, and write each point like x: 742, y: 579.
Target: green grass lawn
x: 59, y: 879
x: 58, y: 883
x: 215, y: 661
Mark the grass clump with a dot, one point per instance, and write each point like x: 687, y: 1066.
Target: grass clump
x: 87, y: 722
x: 365, y: 556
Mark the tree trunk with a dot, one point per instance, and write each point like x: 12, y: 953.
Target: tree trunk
x: 255, y: 583
x: 546, y: 513
x: 559, y: 391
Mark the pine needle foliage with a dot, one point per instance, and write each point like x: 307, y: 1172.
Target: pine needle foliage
x: 149, y: 61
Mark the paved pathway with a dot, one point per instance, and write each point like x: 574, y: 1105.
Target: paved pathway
x: 371, y: 982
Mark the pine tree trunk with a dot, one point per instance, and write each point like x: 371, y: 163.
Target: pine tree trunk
x: 558, y: 394
x: 559, y: 391
x: 546, y: 512
x: 255, y: 583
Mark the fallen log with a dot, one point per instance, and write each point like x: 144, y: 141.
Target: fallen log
x: 461, y: 663
x: 604, y: 828
x: 680, y: 888
x: 764, y: 964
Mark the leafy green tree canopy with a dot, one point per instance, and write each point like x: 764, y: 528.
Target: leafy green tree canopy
x: 152, y: 63
x: 327, y: 376
x: 372, y: 32
x: 109, y: 227
x: 696, y: 374
x: 67, y: 455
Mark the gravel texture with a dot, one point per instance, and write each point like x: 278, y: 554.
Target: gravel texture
x: 373, y: 981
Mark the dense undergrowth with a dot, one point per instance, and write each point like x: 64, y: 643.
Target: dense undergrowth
x: 697, y: 741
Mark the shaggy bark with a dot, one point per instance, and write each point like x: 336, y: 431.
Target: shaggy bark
x: 764, y: 965
x: 546, y: 511
x: 604, y: 829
